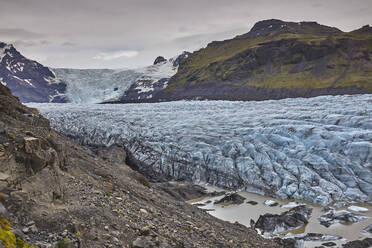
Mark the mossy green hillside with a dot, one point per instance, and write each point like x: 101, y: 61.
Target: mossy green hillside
x: 8, y: 238
x: 291, y: 58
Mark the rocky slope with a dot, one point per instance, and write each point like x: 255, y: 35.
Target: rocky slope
x: 27, y: 79
x: 275, y: 60
x: 55, y: 193
x: 316, y: 149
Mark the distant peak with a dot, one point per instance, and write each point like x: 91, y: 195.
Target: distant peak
x: 275, y: 26
x: 268, y: 24
x: 309, y: 23
x: 3, y: 44
x: 364, y: 29
x: 159, y: 59
x: 265, y: 27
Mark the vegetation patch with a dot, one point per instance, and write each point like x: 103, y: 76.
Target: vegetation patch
x: 8, y: 238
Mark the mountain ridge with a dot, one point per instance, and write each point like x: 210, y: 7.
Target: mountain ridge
x: 33, y: 82
x: 28, y: 79
x: 275, y: 60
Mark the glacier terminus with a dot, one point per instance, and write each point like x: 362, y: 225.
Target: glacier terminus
x: 317, y: 149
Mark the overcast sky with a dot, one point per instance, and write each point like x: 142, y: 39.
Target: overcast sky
x: 131, y: 33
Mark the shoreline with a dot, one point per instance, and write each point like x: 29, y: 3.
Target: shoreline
x: 243, y: 213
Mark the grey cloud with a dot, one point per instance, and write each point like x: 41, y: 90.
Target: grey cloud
x: 29, y: 43
x: 317, y: 5
x: 78, y: 30
x: 202, y: 39
x: 69, y: 44
x: 19, y: 33
x: 22, y: 43
x: 183, y: 29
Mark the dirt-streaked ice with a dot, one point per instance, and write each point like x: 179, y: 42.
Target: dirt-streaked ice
x: 317, y: 149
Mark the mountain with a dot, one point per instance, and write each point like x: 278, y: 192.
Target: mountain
x: 55, y: 193
x: 99, y: 85
x: 154, y: 78
x: 27, y: 79
x: 33, y: 82
x: 274, y: 60
x: 277, y: 59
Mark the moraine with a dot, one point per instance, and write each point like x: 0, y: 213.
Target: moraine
x: 317, y: 149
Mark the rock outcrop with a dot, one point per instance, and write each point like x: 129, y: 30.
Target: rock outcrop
x: 286, y: 221
x: 159, y: 59
x: 59, y: 194
x: 233, y: 198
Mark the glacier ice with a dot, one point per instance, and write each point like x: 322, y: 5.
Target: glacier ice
x: 99, y: 85
x: 95, y: 85
x: 317, y: 149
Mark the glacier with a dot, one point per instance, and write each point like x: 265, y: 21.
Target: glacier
x: 100, y: 85
x: 317, y: 149
x: 95, y: 85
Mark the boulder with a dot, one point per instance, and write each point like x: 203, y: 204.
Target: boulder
x: 32, y: 144
x: 142, y: 242
x: 342, y: 216
x: 289, y: 243
x: 368, y: 229
x: 366, y: 243
x: 234, y: 198
x: 329, y: 244
x: 289, y: 220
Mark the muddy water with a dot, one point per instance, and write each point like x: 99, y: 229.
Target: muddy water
x: 243, y: 213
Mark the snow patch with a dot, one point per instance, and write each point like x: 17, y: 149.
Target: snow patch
x: 161, y: 70
x: 2, y: 82
x: 28, y: 81
x: 51, y: 80
x: 51, y: 98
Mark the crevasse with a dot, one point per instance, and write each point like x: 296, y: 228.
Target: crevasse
x: 317, y: 149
